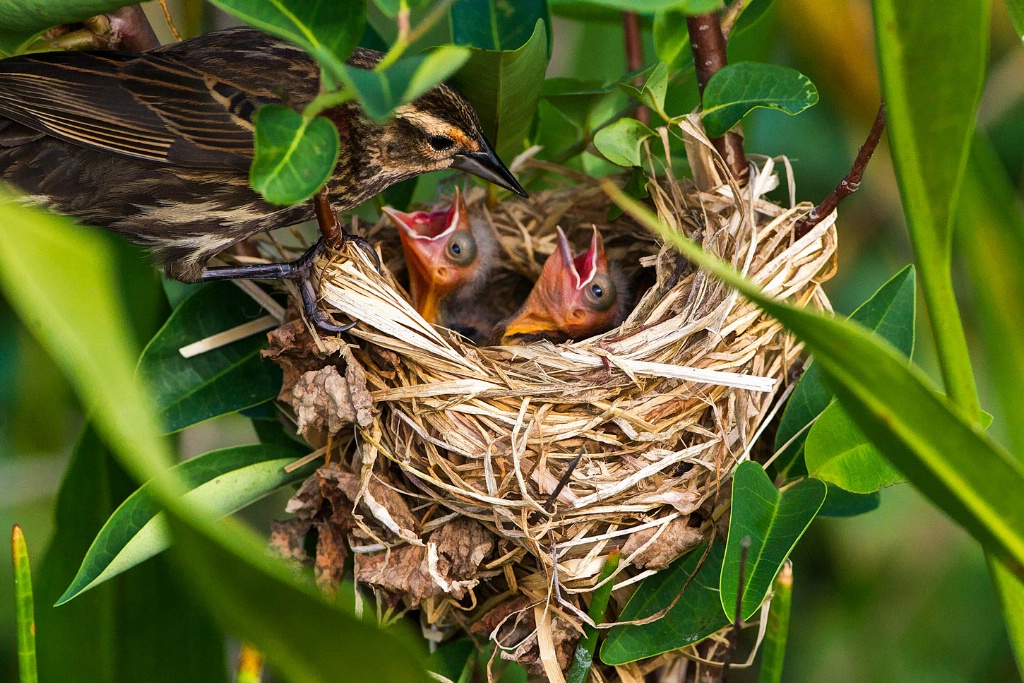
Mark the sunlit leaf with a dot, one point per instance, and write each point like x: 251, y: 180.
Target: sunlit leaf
x: 652, y: 92
x: 621, y: 142
x: 495, y: 24
x: 838, y: 452
x: 771, y: 521
x: 225, y: 380
x: 379, y: 92
x: 737, y: 89
x: 219, y: 482
x: 694, y: 616
x: 292, y: 157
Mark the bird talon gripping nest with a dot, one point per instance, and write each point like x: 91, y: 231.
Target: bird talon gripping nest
x: 486, y: 486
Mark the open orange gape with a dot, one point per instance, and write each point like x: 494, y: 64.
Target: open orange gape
x: 486, y: 486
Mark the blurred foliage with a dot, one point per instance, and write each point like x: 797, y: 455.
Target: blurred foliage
x: 885, y: 596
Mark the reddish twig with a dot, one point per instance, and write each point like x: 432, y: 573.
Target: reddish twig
x: 850, y: 183
x: 330, y: 227
x: 635, y: 57
x: 131, y: 31
x: 708, y: 44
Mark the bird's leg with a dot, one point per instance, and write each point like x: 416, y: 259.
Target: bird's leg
x: 333, y: 231
x: 298, y: 270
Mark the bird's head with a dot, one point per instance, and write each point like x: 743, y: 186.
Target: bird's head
x: 574, y: 298
x: 441, y: 253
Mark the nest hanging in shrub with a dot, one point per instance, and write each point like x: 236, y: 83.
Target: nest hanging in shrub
x: 486, y: 486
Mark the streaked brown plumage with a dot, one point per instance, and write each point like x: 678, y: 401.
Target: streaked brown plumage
x: 156, y: 146
x: 575, y: 297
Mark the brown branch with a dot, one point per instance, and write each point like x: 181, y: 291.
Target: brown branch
x: 635, y: 57
x: 708, y: 44
x: 130, y: 30
x: 850, y: 183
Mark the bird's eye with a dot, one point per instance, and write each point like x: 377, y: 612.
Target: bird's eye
x: 600, y: 293
x: 462, y: 249
x: 440, y: 142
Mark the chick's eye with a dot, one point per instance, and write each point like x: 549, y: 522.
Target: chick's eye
x: 462, y: 249
x: 440, y: 142
x: 600, y: 293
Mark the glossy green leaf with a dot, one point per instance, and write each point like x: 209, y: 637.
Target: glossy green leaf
x: 496, y: 24
x: 840, y: 503
x: 652, y: 92
x: 640, y: 6
x: 773, y: 521
x: 452, y: 659
x: 504, y: 88
x: 945, y: 454
x: 990, y: 235
x: 890, y: 312
x: 737, y: 89
x: 773, y: 653
x: 583, y: 658
x: 219, y: 482
x: 621, y: 142
x: 380, y: 92
x: 23, y: 19
x: 1016, y: 11
x: 24, y: 610
x: 933, y: 67
x: 225, y: 380
x: 144, y: 625
x: 696, y: 615
x: 292, y: 157
x: 328, y: 29
x: 839, y: 453
x: 257, y: 597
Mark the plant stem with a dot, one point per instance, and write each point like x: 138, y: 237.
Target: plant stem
x: 130, y: 30
x: 587, y: 646
x: 635, y: 57
x: 326, y: 100
x: 403, y: 43
x: 23, y: 608
x: 708, y: 46
x: 777, y: 632
x: 850, y: 183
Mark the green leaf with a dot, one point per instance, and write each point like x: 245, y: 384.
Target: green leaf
x: 696, y: 615
x: 496, y: 24
x: 328, y: 30
x: 890, y: 312
x: 737, y: 89
x: 653, y: 91
x: 142, y: 626
x: 1016, y: 10
x: 380, y: 92
x: 504, y: 88
x: 451, y: 659
x: 773, y: 521
x: 944, y: 453
x: 840, y: 503
x: 24, y: 611
x: 225, y: 380
x: 672, y: 38
x: 642, y: 6
x: 839, y: 453
x: 23, y: 19
x: 621, y: 141
x: 1011, y: 597
x: 219, y: 482
x: 777, y: 633
x: 257, y: 597
x: 292, y: 157
x: 579, y: 671
x: 933, y: 67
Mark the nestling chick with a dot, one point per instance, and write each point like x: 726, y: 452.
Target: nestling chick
x: 574, y: 298
x: 157, y: 146
x: 452, y: 258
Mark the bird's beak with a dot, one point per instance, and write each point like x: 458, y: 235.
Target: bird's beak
x: 549, y: 308
x: 486, y: 164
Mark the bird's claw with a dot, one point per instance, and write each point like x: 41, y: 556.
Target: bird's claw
x: 347, y: 237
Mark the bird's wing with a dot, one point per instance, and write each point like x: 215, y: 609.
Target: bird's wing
x: 168, y: 106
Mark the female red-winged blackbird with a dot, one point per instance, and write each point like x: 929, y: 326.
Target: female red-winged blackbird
x: 574, y: 298
x: 157, y: 146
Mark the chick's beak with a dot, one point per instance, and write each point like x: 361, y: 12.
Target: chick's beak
x: 549, y: 308
x: 486, y: 164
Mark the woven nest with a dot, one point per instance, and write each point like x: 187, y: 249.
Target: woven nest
x: 486, y: 486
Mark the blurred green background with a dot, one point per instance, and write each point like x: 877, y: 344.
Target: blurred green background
x: 900, y: 594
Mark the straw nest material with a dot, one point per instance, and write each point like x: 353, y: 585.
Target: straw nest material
x: 486, y: 486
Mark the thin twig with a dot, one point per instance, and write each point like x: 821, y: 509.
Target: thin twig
x: 850, y: 183
x: 330, y: 228
x: 130, y: 30
x: 635, y: 57
x: 708, y: 44
x: 169, y: 20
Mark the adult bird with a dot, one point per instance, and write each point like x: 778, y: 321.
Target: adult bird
x: 455, y: 278
x: 156, y: 146
x: 575, y: 297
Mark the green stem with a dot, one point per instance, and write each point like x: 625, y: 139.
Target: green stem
x: 778, y: 627
x: 326, y: 100
x: 587, y: 646
x: 23, y: 609
x: 402, y: 43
